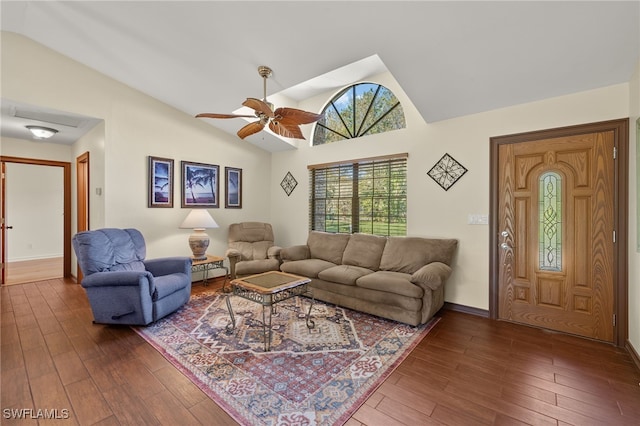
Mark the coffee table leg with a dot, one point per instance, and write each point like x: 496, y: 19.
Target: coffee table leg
x: 266, y: 327
x: 310, y: 323
x: 232, y: 325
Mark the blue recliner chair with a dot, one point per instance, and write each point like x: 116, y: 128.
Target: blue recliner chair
x: 123, y: 287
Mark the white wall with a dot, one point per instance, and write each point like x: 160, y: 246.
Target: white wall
x: 135, y: 126
x: 34, y: 211
x: 431, y: 210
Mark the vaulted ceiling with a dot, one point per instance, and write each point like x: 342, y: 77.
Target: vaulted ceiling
x: 451, y: 58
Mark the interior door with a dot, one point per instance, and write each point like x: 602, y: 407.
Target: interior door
x: 556, y: 225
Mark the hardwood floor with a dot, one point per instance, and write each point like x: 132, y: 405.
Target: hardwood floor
x: 26, y: 271
x: 469, y: 370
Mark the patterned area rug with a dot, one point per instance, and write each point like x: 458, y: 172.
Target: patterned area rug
x: 317, y: 376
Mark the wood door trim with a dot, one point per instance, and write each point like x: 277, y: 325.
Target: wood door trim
x: 620, y: 128
x: 3, y: 230
x: 82, y: 198
x: 66, y: 170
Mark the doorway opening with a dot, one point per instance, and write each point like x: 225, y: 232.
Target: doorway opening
x: 25, y: 269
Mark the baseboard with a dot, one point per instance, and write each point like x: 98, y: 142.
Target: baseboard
x: 466, y: 309
x: 632, y: 352
x: 30, y: 258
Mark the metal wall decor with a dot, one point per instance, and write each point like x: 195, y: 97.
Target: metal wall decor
x: 447, y: 171
x: 288, y: 183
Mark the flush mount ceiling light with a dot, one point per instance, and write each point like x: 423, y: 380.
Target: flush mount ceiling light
x: 40, y: 132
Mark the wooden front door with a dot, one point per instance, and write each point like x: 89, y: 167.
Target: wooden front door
x: 556, y: 218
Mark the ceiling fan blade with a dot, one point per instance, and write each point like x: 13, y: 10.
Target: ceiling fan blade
x: 296, y: 116
x: 259, y: 106
x: 214, y: 115
x: 287, y: 130
x: 250, y: 129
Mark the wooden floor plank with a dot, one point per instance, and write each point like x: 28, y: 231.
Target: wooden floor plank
x: 468, y: 370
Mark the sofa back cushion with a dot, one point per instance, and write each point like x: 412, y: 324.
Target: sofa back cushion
x: 327, y: 246
x: 408, y: 254
x: 251, y: 239
x: 364, y: 250
x: 110, y: 249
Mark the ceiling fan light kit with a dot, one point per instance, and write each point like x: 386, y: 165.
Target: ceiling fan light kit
x: 281, y: 121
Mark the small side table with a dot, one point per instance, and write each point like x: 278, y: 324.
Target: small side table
x: 208, y: 264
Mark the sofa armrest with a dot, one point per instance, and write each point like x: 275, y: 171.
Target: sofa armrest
x: 118, y: 278
x: 299, y: 252
x: 273, y: 252
x: 168, y: 265
x: 233, y: 255
x: 432, y: 276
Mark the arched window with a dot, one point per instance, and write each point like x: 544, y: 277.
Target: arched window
x: 359, y: 110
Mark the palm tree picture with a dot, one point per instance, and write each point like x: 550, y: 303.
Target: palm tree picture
x: 160, y: 182
x: 200, y: 185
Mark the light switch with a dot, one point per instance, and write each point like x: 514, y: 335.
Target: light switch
x: 478, y: 219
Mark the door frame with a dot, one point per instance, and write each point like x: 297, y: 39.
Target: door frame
x: 82, y: 198
x: 620, y: 129
x: 66, y: 171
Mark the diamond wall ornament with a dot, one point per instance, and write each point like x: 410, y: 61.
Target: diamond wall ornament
x: 447, y: 171
x: 288, y: 183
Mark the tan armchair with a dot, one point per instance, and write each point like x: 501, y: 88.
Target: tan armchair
x: 251, y: 249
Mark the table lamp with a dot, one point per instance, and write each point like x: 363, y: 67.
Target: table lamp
x: 199, y: 220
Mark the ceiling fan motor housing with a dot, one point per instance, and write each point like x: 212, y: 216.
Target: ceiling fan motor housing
x: 264, y: 71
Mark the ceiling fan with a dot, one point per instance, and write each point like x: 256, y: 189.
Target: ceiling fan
x: 282, y: 121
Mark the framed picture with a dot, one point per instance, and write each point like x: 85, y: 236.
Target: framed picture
x: 200, y: 185
x: 160, y: 182
x: 233, y: 188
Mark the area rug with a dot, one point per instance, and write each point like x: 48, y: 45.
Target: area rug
x: 317, y: 376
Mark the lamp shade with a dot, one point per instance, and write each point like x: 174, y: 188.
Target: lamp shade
x: 199, y: 219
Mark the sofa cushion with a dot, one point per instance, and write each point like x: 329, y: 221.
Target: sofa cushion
x: 363, y: 299
x: 137, y: 265
x: 391, y: 282
x: 344, y: 274
x: 251, y: 250
x: 364, y: 250
x: 309, y: 267
x: 327, y: 246
x: 249, y: 267
x: 408, y: 254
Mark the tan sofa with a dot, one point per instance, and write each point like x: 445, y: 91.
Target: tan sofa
x: 400, y: 278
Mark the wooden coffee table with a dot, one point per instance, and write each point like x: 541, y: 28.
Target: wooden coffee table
x: 268, y: 289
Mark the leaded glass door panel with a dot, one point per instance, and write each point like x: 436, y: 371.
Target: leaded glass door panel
x: 556, y: 220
